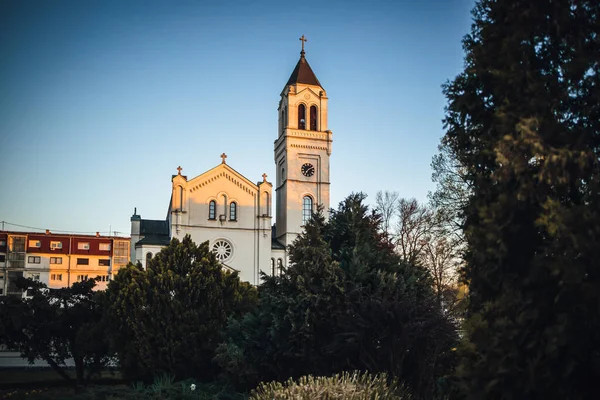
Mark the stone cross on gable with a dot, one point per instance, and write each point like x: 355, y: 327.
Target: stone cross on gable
x: 179, y: 170
x: 303, y: 40
x: 264, y: 177
x: 223, y: 157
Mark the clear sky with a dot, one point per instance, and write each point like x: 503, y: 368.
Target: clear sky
x: 100, y: 101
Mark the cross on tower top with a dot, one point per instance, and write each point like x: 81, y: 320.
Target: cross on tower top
x: 179, y: 170
x: 264, y: 177
x: 303, y: 40
x: 223, y: 157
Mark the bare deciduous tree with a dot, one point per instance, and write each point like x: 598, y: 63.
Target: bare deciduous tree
x: 385, y: 202
x: 414, y: 227
x: 441, y: 256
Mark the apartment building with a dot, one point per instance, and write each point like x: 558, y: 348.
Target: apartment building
x: 58, y: 260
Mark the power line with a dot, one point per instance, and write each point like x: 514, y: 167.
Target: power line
x: 53, y: 230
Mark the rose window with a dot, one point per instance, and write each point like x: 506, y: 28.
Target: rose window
x: 222, y: 249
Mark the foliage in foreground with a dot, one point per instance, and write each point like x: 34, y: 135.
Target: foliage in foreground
x: 523, y: 122
x: 347, y: 302
x: 57, y: 324
x: 349, y: 386
x: 171, y: 317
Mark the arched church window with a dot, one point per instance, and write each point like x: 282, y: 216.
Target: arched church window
x: 307, y: 209
x: 313, y: 118
x: 180, y: 198
x: 212, y: 210
x: 272, y: 267
x: 266, y: 210
x: 279, y: 266
x: 148, y: 259
x: 233, y: 211
x: 301, y: 116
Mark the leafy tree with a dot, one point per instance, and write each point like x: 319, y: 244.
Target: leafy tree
x: 173, y: 314
x: 57, y: 324
x: 523, y: 122
x: 347, y: 302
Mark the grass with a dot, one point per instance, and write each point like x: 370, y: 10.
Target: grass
x: 45, y: 384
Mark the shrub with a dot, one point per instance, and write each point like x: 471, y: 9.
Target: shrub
x: 170, y: 318
x: 352, y: 386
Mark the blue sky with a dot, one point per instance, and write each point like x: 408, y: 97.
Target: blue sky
x: 100, y: 101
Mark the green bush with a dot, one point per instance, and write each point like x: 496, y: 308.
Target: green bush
x: 350, y: 386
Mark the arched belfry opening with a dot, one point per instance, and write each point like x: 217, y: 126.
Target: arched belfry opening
x: 301, y: 116
x: 313, y: 118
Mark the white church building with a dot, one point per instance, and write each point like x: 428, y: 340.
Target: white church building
x: 233, y: 212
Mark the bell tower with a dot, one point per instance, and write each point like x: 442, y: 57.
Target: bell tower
x: 302, y: 151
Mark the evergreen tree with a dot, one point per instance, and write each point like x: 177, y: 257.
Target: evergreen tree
x: 347, y: 302
x: 172, y: 316
x: 523, y: 122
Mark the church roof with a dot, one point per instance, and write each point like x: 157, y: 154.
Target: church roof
x: 303, y: 73
x: 153, y: 226
x: 155, y: 240
x: 276, y: 245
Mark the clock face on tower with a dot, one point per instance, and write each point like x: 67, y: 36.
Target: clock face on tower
x: 307, y: 169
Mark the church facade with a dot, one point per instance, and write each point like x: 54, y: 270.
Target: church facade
x: 233, y: 212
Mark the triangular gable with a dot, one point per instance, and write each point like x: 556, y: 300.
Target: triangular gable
x: 223, y: 171
x: 310, y: 89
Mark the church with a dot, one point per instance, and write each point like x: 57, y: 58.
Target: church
x: 233, y: 212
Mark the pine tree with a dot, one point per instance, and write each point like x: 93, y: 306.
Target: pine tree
x: 523, y: 122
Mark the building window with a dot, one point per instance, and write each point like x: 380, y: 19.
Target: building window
x: 279, y: 266
x: 2, y: 243
x: 233, y: 211
x: 307, y: 209
x: 301, y: 116
x: 105, y: 246
x: 55, y: 260
x: 313, y: 118
x: 17, y: 244
x: 272, y: 267
x: 35, y: 243
x: 81, y: 278
x: 83, y: 261
x: 55, y: 245
x: 2, y: 257
x: 83, y: 246
x: 104, y: 278
x: 104, y: 263
x: 212, y: 210
x: 35, y: 277
x: 56, y: 277
x: 223, y: 250
x: 148, y: 258
x: 34, y: 259
x: 1, y: 275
